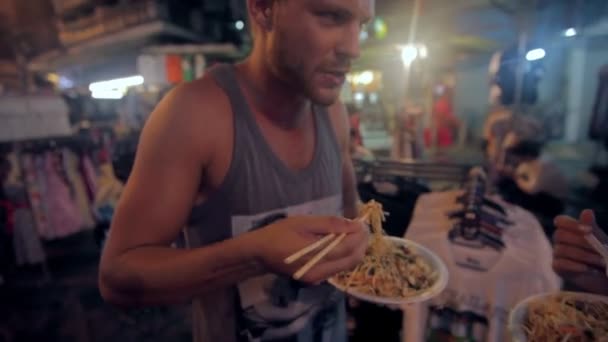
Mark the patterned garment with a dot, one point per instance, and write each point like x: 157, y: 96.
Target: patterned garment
x: 35, y: 195
x: 275, y: 307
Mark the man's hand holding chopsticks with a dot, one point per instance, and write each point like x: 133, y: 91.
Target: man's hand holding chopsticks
x: 283, y: 238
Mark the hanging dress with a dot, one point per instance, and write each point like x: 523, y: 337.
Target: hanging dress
x: 26, y: 242
x: 79, y: 190
x: 87, y: 170
x: 64, y: 216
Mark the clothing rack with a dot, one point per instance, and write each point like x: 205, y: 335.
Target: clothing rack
x: 383, y: 169
x: 77, y: 143
x: 34, y: 146
x: 80, y: 145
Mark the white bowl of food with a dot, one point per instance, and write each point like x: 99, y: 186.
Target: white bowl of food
x: 560, y: 316
x: 413, y: 274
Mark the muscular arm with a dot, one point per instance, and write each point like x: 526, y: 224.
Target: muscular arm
x: 138, y: 266
x: 350, y: 196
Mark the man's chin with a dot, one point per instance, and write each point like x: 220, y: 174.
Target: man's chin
x: 325, y: 97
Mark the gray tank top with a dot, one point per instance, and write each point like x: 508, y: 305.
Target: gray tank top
x: 258, y: 189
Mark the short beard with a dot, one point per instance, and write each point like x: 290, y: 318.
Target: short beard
x: 292, y: 72
x: 289, y: 70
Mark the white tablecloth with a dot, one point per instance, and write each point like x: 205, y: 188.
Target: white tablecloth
x: 476, y: 304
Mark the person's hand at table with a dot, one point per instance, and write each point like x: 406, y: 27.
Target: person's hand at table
x: 574, y: 259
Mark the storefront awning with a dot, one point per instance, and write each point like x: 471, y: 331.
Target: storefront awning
x: 92, y: 51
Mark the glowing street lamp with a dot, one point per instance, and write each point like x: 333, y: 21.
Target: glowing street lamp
x: 571, y: 32
x: 536, y: 54
x: 408, y: 54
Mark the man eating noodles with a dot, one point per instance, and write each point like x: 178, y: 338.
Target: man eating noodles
x: 253, y: 160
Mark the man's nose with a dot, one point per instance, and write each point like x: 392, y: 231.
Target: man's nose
x: 349, y: 46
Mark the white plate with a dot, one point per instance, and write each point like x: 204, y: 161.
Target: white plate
x: 434, y: 261
x: 519, y: 314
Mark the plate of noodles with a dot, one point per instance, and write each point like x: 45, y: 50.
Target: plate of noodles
x: 394, y: 271
x: 561, y: 316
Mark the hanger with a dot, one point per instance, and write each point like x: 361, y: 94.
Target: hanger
x: 484, y: 214
x: 482, y: 221
x: 483, y: 200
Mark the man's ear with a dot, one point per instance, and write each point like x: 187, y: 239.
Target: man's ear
x: 261, y: 13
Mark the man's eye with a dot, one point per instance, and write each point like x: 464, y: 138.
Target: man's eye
x: 333, y: 17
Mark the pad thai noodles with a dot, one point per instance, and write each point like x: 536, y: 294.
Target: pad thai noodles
x: 564, y: 317
x: 388, y: 269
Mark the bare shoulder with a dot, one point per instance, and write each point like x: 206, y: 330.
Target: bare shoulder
x: 195, y: 106
x: 339, y: 119
x: 192, y: 117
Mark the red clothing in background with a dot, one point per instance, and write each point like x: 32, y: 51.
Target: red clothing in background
x: 445, y: 120
x: 355, y: 122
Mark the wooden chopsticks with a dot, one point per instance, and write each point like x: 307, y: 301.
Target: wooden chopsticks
x: 598, y: 240
x: 299, y: 273
x: 294, y: 257
x: 312, y: 262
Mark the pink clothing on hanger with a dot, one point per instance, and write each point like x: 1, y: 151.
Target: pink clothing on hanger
x: 64, y: 216
x: 88, y: 173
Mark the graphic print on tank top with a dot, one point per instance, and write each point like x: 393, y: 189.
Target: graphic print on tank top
x: 277, y: 307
